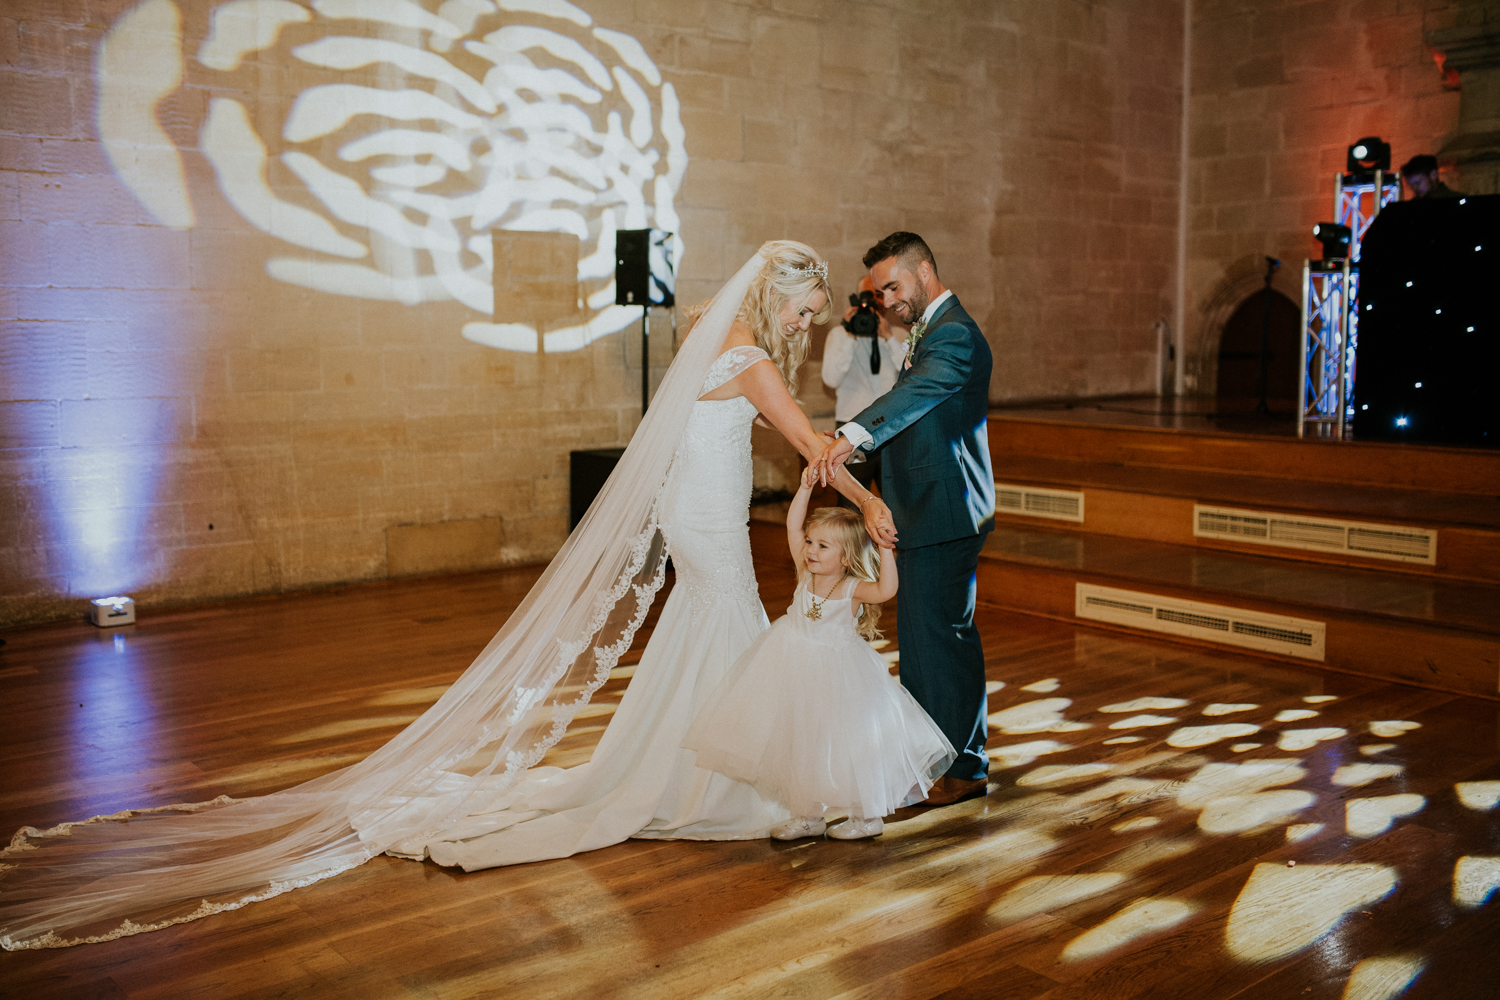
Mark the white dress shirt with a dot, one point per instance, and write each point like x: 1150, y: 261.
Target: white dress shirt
x: 846, y: 369
x: 856, y: 434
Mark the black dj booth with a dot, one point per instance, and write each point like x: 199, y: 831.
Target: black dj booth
x: 1429, y: 323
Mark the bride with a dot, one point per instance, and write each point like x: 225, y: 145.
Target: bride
x: 460, y: 784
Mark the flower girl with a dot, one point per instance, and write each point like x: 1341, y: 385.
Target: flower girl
x: 810, y: 714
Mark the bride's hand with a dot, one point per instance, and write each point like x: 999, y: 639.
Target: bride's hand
x: 831, y: 459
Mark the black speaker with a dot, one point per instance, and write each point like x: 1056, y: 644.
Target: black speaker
x: 1428, y: 335
x: 587, y: 471
x: 632, y: 267
x: 644, y: 268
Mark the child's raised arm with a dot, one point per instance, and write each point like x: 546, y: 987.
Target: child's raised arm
x: 881, y: 590
x: 796, y: 516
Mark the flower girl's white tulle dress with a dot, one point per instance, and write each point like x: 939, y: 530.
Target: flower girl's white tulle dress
x: 811, y: 717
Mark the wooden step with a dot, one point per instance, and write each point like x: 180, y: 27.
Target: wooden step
x: 1095, y: 435
x: 1156, y: 504
x: 1427, y: 631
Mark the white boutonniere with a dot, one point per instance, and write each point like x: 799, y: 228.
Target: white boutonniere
x: 917, y: 329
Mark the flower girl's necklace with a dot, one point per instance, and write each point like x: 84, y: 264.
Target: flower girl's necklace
x: 816, y: 611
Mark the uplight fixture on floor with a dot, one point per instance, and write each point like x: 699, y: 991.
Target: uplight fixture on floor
x: 107, y: 612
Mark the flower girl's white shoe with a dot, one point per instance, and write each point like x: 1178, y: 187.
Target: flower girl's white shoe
x: 858, y: 829
x: 798, y: 827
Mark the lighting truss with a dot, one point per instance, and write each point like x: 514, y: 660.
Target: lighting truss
x: 1354, y: 203
x: 1326, y: 383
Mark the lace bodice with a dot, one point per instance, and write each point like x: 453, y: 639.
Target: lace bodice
x: 706, y: 505
x: 729, y: 364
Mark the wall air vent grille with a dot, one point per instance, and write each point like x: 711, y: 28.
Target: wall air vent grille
x: 1033, y: 501
x: 1196, y: 620
x: 1316, y: 534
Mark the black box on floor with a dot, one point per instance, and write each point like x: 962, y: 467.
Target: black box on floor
x: 587, y: 471
x: 1428, y: 326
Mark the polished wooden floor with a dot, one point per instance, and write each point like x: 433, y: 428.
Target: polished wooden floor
x: 1342, y: 841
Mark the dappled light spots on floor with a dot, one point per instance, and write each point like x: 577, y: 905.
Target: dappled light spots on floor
x: 1124, y: 739
x: 1047, y: 893
x: 1295, y: 715
x: 1371, y: 749
x: 1019, y: 754
x: 1139, y: 823
x: 1202, y: 736
x: 990, y: 687
x: 1283, y: 910
x: 1478, y: 795
x: 1222, y: 708
x: 1319, y: 699
x: 1388, y: 728
x: 1474, y: 880
x: 1358, y: 775
x: 1245, y: 813
x: 1043, y: 716
x: 1141, y: 721
x: 1140, y: 919
x: 1298, y: 832
x: 1370, y: 817
x: 1056, y: 774
x: 1045, y: 686
x: 1382, y: 978
x: 1296, y: 740
x: 1245, y: 747
x: 1144, y: 704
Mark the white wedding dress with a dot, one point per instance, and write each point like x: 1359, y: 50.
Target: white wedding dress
x: 641, y: 782
x: 461, y: 783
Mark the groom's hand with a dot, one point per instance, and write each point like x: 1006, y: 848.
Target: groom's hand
x: 831, y: 458
x: 879, y: 523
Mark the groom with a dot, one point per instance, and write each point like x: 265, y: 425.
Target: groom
x: 937, y: 481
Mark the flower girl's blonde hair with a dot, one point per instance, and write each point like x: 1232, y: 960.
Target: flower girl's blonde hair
x: 860, y: 554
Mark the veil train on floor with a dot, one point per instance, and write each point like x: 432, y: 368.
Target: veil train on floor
x: 141, y: 870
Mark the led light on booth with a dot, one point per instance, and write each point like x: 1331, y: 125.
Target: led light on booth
x: 1408, y: 284
x: 1469, y: 330
x: 1417, y: 384
x: 1400, y: 421
x: 1365, y: 407
x: 107, y: 612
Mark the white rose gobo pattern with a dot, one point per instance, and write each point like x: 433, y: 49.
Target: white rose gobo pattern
x: 523, y: 116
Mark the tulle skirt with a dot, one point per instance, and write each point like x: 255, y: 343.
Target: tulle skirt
x: 819, y: 727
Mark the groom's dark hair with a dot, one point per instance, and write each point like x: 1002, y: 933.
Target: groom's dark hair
x: 909, y: 247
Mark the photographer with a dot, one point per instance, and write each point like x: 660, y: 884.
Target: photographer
x: 860, y: 362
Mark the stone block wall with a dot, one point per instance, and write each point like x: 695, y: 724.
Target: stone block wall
x: 1280, y: 89
x: 176, y: 422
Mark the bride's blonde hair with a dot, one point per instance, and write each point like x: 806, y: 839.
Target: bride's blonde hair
x: 793, y: 271
x: 860, y: 555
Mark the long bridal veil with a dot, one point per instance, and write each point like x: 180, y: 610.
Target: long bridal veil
x: 142, y: 870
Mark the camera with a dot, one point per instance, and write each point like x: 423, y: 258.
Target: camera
x: 865, y: 322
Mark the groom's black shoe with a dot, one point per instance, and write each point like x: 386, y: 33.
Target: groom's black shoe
x: 946, y: 791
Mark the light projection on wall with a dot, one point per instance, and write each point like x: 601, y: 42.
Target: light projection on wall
x: 476, y: 116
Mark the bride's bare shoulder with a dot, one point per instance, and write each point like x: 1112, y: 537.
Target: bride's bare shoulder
x: 739, y: 335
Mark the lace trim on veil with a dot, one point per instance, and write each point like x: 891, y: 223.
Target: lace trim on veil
x: 406, y: 790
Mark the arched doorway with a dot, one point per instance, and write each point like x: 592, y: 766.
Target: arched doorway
x: 1239, y: 353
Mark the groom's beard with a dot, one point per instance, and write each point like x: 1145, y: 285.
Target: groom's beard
x: 916, y: 305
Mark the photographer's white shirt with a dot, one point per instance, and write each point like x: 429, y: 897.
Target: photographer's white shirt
x: 846, y: 370
x: 856, y: 434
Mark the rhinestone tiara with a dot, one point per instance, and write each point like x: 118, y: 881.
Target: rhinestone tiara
x: 820, y: 269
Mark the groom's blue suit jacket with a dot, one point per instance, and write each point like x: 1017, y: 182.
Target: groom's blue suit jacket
x: 931, y: 428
